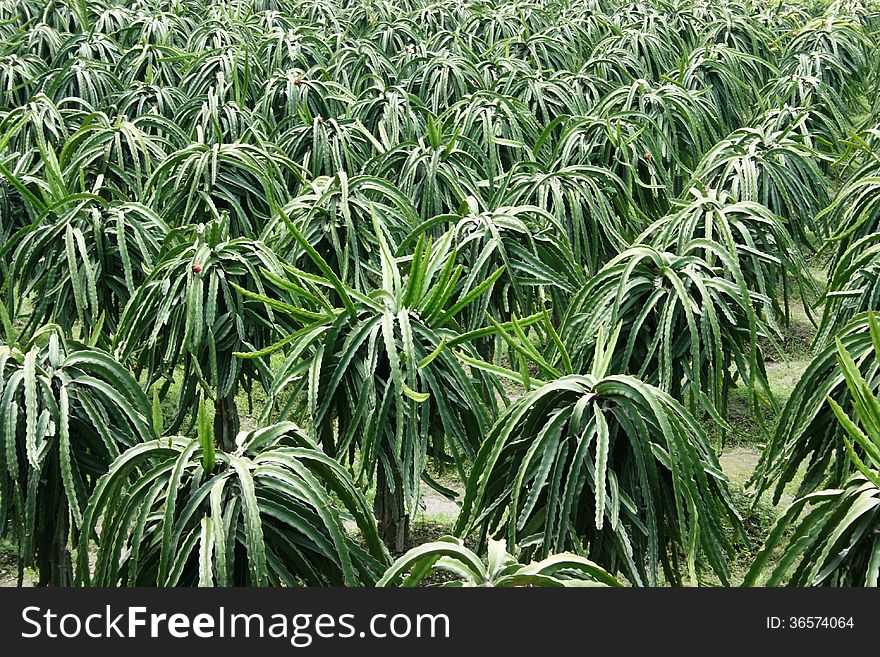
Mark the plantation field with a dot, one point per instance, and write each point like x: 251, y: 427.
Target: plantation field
x: 461, y: 292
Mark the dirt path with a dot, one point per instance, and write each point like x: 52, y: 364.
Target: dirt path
x: 436, y: 505
x: 738, y: 463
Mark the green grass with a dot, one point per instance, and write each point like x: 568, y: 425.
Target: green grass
x: 758, y: 518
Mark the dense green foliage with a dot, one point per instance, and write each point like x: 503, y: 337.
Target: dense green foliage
x: 174, y: 512
x: 67, y: 411
x: 527, y: 248
x: 833, y: 537
x: 607, y: 462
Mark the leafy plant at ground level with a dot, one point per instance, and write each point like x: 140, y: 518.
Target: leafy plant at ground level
x: 175, y: 512
x: 66, y: 412
x: 449, y: 556
x: 606, y: 466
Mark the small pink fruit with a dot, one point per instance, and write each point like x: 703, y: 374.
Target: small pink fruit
x: 647, y: 156
x: 197, y: 268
